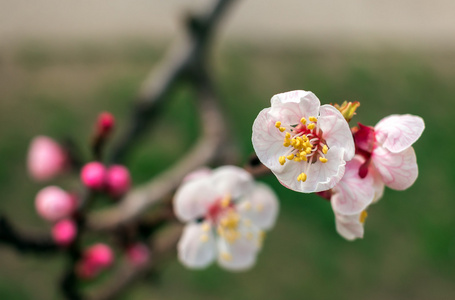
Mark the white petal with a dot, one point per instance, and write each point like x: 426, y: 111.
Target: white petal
x: 193, y: 198
x: 349, y: 227
x: 197, y: 247
x: 232, y: 180
x: 268, y: 141
x: 353, y: 194
x: 290, y: 107
x: 320, y: 176
x: 398, y: 132
x: 199, y: 173
x: 242, y: 254
x: 260, y: 206
x: 398, y: 170
x: 336, y: 130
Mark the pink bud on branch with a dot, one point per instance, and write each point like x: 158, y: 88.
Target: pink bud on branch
x: 52, y: 203
x: 93, y: 175
x: 46, y: 158
x: 118, y: 180
x: 64, y: 232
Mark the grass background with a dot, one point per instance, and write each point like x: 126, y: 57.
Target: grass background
x: 409, y: 247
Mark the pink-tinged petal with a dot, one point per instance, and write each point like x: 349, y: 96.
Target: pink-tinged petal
x: 349, y: 226
x: 378, y: 184
x: 52, y: 203
x: 232, y: 180
x: 239, y: 255
x: 352, y: 194
x: 196, y: 248
x: 193, y: 198
x: 398, y: 132
x: 398, y: 170
x: 336, y: 130
x: 260, y: 206
x: 268, y: 141
x: 290, y: 107
x: 320, y: 176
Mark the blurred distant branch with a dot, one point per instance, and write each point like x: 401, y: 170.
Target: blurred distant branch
x: 25, y: 241
x: 185, y: 61
x: 187, y: 55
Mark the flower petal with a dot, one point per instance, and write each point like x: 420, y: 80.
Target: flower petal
x: 349, y: 226
x: 238, y: 256
x: 268, y: 141
x: 398, y: 170
x: 193, y: 198
x: 196, y: 248
x: 336, y: 130
x: 398, y: 132
x: 290, y: 107
x: 353, y: 194
x: 378, y: 184
x: 232, y: 180
x: 320, y: 176
x: 260, y: 206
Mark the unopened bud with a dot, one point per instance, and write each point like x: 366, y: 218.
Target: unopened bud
x: 52, y: 203
x: 93, y: 175
x: 64, y: 232
x: 138, y: 254
x: 46, y: 158
x: 118, y: 180
x: 105, y: 123
x: 348, y: 109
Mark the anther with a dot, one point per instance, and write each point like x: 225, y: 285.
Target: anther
x: 282, y: 160
x: 363, y: 216
x: 323, y: 160
x: 278, y: 124
x: 290, y: 157
x: 303, y: 120
x: 302, y: 177
x: 311, y: 126
x: 313, y: 119
x: 204, y: 238
x: 282, y: 129
x: 325, y: 149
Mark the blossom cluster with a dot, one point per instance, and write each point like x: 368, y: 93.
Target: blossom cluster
x: 310, y: 148
x: 48, y: 159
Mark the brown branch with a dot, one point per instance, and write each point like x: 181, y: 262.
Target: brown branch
x: 186, y: 55
x: 25, y: 241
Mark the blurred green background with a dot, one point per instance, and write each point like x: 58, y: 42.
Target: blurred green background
x: 409, y: 247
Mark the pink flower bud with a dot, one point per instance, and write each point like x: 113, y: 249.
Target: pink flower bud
x: 105, y: 123
x: 85, y: 270
x: 93, y: 175
x: 64, y: 232
x: 138, y: 254
x: 46, y: 158
x: 52, y: 203
x: 99, y: 256
x: 118, y: 180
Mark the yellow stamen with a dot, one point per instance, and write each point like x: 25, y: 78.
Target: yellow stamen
x: 323, y: 160
x: 282, y: 160
x: 226, y: 200
x: 226, y: 256
x: 311, y: 126
x: 308, y: 150
x: 286, y: 143
x: 303, y: 121
x: 288, y: 135
x: 204, y: 238
x: 282, y: 129
x: 313, y: 119
x: 363, y: 216
x: 278, y: 124
x: 247, y: 222
x: 297, y: 159
x: 290, y: 156
x: 302, y: 177
x: 247, y: 205
x: 325, y: 149
x: 205, y: 227
x: 303, y: 156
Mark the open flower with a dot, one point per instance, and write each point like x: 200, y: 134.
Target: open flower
x: 388, y: 150
x: 306, y: 145
x: 227, y: 213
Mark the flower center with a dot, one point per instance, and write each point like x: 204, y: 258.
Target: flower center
x: 305, y: 144
x: 224, y: 215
